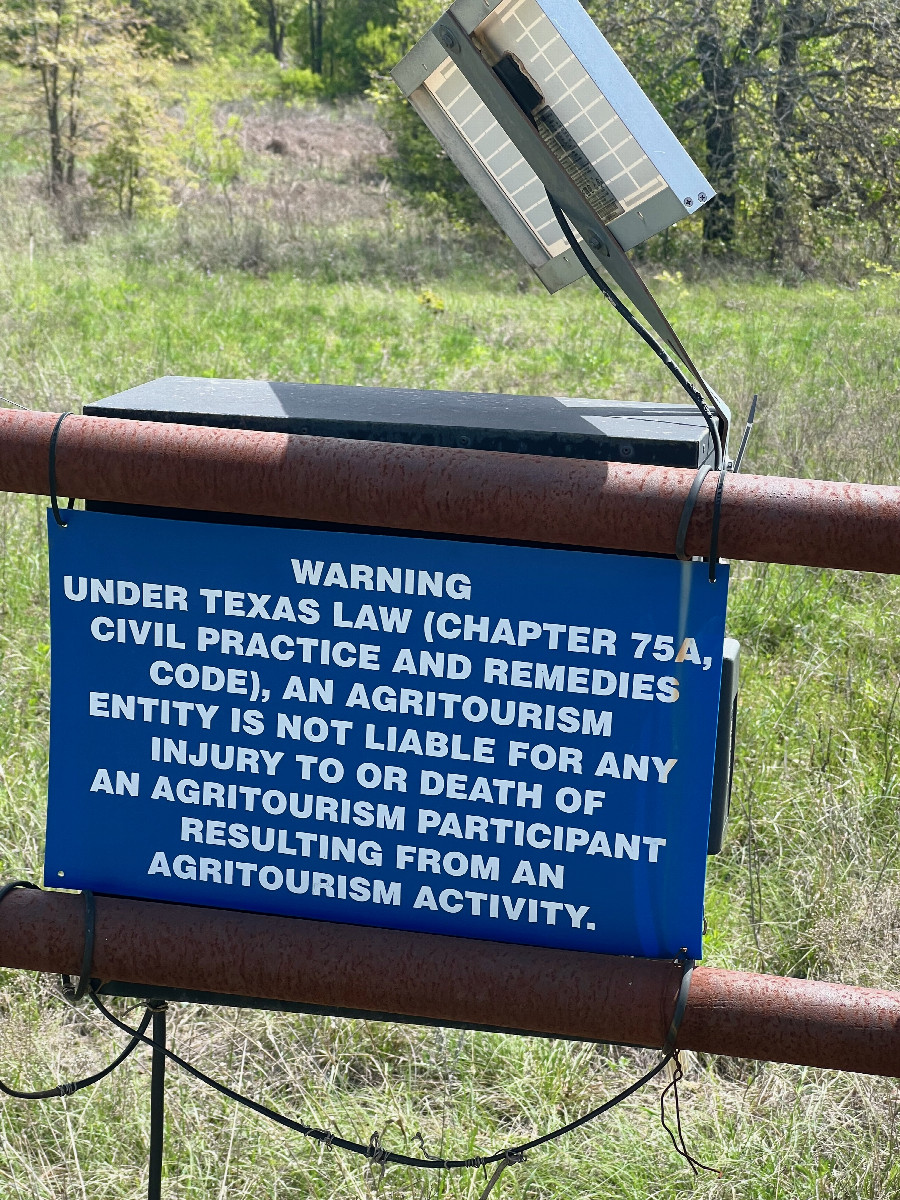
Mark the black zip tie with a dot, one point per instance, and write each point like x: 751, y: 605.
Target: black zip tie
x: 670, y: 1051
x: 688, y: 511
x: 54, y: 500
x: 684, y: 989
x: 68, y: 1089
x: 384, y: 1156
x: 17, y: 883
x: 717, y: 502
x: 714, y: 533
x: 79, y: 990
x: 680, y: 1146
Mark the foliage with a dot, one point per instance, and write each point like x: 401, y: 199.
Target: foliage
x: 289, y: 84
x: 792, y: 107
x: 331, y: 39
x: 214, y: 154
x: 129, y: 172
x: 276, y: 16
x: 70, y: 49
x: 195, y: 30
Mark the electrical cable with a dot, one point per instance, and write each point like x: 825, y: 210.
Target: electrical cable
x: 69, y: 1089
x: 375, y: 1151
x: 593, y: 274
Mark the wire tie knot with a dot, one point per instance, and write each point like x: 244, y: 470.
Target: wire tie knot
x: 376, y: 1153
x: 509, y: 1159
x: 434, y: 1157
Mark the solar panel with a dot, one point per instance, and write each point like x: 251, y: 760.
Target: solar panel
x: 563, y: 77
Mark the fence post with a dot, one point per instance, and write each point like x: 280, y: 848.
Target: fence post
x: 157, y: 1101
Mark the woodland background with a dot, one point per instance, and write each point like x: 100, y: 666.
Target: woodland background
x: 792, y: 107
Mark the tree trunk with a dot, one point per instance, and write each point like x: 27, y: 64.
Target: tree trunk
x: 276, y: 30
x: 777, y: 184
x: 316, y: 36
x: 50, y: 78
x: 71, y: 124
x: 720, y: 87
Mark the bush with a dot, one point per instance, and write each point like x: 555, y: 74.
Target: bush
x: 296, y: 83
x: 420, y: 169
x: 131, y: 172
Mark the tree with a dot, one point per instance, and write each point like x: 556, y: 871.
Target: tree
x: 332, y: 39
x: 132, y: 170
x: 213, y: 155
x: 316, y: 33
x: 791, y: 105
x: 68, y: 48
x: 277, y: 16
x: 195, y: 29
x: 835, y: 111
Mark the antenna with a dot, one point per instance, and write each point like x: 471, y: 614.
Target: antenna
x: 539, y: 113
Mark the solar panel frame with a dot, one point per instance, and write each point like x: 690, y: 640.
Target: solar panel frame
x: 680, y: 187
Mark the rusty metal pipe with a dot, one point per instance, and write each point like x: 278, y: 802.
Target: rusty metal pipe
x: 557, y: 992
x: 440, y: 489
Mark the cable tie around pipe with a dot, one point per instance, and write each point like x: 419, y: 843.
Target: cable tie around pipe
x: 714, y: 532
x: 684, y: 989
x: 54, y: 499
x: 81, y: 989
x: 688, y: 511
x: 17, y: 883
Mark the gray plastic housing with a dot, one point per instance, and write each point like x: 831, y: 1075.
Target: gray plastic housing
x: 723, y: 773
x: 673, y: 435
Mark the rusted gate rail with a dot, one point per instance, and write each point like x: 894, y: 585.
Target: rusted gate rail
x: 559, y: 992
x: 473, y: 493
x: 441, y: 489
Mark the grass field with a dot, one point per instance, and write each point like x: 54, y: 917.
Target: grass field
x: 360, y: 291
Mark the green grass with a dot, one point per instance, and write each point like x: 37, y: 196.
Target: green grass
x: 808, y: 883
x: 82, y: 321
